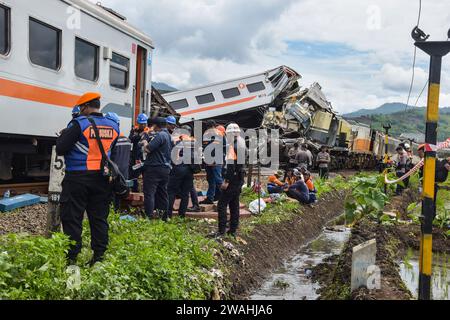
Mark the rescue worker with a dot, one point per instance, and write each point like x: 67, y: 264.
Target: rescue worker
x: 299, y: 190
x: 233, y: 181
x: 402, y: 169
x: 85, y: 186
x: 194, y: 199
x: 137, y: 134
x: 157, y: 169
x: 181, y: 179
x: 304, y: 157
x: 275, y: 185
x: 214, y: 168
x: 310, y: 184
x: 292, y: 154
x: 120, y: 155
x: 324, y: 160
x: 171, y: 124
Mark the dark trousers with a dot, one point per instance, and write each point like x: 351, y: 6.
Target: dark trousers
x: 90, y: 193
x: 399, y: 189
x: 181, y: 183
x: 271, y: 188
x: 230, y: 198
x: 156, y: 180
x: 134, y: 175
x: 301, y: 197
x: 194, y: 197
x: 323, y: 173
x: 215, y: 180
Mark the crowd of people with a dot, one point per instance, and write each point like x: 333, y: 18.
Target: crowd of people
x: 165, y: 155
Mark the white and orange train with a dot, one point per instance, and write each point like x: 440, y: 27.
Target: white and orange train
x: 51, y: 52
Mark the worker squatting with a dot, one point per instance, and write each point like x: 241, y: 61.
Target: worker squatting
x: 98, y: 157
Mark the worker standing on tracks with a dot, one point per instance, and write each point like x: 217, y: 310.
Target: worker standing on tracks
x: 85, y: 186
x: 137, y: 156
x: 233, y: 181
x: 181, y: 179
x: 158, y: 165
x: 213, y: 170
x: 324, y: 160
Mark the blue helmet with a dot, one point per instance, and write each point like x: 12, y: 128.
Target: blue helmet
x: 142, y: 119
x: 171, y: 120
x: 113, y: 116
x: 76, y: 110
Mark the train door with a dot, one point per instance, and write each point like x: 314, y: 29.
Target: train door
x: 141, y: 77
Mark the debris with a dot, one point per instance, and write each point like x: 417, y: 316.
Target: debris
x: 255, y: 205
x: 9, y: 204
x: 128, y: 218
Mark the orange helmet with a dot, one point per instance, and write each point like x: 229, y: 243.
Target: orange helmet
x: 88, y: 97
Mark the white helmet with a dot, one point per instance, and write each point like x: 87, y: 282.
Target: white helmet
x: 233, y: 128
x: 407, y: 146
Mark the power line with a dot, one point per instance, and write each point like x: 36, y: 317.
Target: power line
x: 414, y: 59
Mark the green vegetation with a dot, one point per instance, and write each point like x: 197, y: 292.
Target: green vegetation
x: 407, y: 122
x: 146, y: 260
x: 367, y: 198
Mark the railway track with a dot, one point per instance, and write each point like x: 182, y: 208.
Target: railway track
x: 22, y: 188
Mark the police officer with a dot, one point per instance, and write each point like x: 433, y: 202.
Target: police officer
x: 233, y: 182
x: 136, y: 135
x: 85, y: 187
x: 181, y: 179
x: 157, y: 169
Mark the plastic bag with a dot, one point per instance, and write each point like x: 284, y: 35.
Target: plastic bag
x: 254, y: 207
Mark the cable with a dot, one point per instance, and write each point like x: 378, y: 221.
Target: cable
x: 421, y: 92
x: 414, y: 60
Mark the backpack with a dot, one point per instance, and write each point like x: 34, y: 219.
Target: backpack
x: 441, y: 171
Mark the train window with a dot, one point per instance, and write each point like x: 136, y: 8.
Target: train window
x: 206, y: 98
x: 4, y: 30
x: 255, y: 87
x: 86, y: 60
x: 119, y: 71
x: 179, y: 104
x: 45, y: 45
x: 231, y: 93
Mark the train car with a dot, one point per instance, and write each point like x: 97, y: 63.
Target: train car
x: 243, y: 100
x: 53, y: 51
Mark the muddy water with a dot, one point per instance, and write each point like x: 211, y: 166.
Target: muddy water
x: 409, y: 271
x: 292, y: 281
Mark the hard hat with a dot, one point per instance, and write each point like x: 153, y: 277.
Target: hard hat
x: 88, y: 97
x: 407, y: 146
x: 113, y: 116
x: 76, y: 110
x: 297, y: 173
x: 142, y: 118
x: 158, y: 121
x: 233, y: 128
x: 280, y: 173
x: 171, y: 120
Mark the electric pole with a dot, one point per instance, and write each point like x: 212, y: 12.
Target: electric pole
x: 436, y: 50
x: 386, y: 127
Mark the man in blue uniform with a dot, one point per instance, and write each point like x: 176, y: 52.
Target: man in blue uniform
x: 85, y: 187
x: 157, y: 169
x: 137, y: 157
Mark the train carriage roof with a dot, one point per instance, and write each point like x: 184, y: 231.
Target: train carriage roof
x: 111, y: 18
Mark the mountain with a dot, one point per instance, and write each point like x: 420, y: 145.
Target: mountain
x: 163, y: 87
x: 410, y: 122
x: 388, y: 108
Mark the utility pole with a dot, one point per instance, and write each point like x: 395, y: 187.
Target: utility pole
x: 386, y: 127
x: 436, y: 50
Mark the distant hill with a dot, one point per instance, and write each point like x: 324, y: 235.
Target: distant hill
x: 412, y: 121
x: 163, y: 87
x: 388, y: 108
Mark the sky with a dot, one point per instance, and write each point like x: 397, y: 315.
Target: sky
x: 360, y: 51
